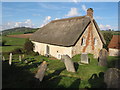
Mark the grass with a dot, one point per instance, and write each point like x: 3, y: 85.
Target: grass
x: 12, y: 43
x: 21, y: 74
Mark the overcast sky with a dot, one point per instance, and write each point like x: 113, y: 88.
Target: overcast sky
x: 37, y: 14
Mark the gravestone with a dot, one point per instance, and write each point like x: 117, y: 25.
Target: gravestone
x: 26, y: 61
x: 84, y: 58
x: 102, y: 59
x: 41, y: 71
x: 20, y: 58
x: 10, y: 59
x: 112, y: 78
x: 3, y: 58
x: 23, y: 56
x: 68, y: 63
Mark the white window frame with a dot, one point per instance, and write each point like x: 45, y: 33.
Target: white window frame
x: 95, y: 41
x: 83, y: 41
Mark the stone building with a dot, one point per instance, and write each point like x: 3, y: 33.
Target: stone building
x: 114, y: 46
x: 69, y: 36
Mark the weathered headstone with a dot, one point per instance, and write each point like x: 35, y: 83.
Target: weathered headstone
x: 23, y: 56
x: 84, y: 58
x: 20, y: 58
x: 102, y: 59
x: 41, y: 71
x: 10, y: 59
x: 26, y: 61
x: 112, y: 78
x: 68, y: 63
x: 3, y: 58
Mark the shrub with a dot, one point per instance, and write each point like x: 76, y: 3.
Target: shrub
x: 18, y: 51
x: 33, y: 53
x: 3, y: 42
x: 28, y: 46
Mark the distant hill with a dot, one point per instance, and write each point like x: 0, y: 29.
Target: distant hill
x: 19, y: 30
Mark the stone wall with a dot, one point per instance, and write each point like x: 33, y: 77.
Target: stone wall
x: 54, y: 51
x: 114, y: 52
x: 89, y: 34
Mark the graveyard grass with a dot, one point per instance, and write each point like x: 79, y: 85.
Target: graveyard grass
x: 22, y: 75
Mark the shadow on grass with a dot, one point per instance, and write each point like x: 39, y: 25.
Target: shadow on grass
x: 114, y: 63
x: 20, y: 77
x: 97, y: 81
x: 17, y: 77
x: 55, y: 73
x: 76, y: 65
x: 75, y: 84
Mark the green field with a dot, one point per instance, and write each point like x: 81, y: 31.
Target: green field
x: 12, y: 43
x: 21, y: 74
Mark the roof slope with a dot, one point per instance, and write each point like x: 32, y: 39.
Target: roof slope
x: 98, y: 30
x: 115, y: 42
x: 63, y: 32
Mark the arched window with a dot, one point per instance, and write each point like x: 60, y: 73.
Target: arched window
x: 95, y: 41
x: 83, y: 41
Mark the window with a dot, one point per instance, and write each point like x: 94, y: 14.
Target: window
x: 95, y: 41
x: 83, y: 41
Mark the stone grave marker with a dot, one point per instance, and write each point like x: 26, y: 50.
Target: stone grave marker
x: 10, y: 59
x: 23, y: 56
x: 3, y: 58
x: 41, y: 71
x: 112, y: 78
x: 26, y: 61
x: 84, y: 58
x: 102, y: 59
x: 68, y: 63
x: 20, y: 58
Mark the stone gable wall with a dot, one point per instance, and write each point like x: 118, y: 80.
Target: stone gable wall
x: 89, y: 34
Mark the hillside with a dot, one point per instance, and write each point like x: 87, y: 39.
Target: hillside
x: 19, y: 30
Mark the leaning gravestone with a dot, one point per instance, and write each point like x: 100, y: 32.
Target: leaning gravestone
x: 10, y: 59
x: 102, y: 59
x: 68, y: 63
x: 41, y: 71
x: 20, y: 58
x: 84, y: 58
x: 112, y: 78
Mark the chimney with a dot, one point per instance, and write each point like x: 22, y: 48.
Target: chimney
x: 90, y: 12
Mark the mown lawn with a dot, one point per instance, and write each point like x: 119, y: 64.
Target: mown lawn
x: 21, y: 74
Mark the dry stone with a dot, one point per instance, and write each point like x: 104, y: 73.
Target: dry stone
x: 68, y: 63
x: 41, y: 71
x: 112, y: 78
x: 84, y: 58
x: 102, y: 59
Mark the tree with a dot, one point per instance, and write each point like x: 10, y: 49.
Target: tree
x: 28, y: 46
x: 3, y: 42
x: 107, y: 37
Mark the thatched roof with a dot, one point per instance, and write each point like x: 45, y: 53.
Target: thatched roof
x: 63, y: 32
